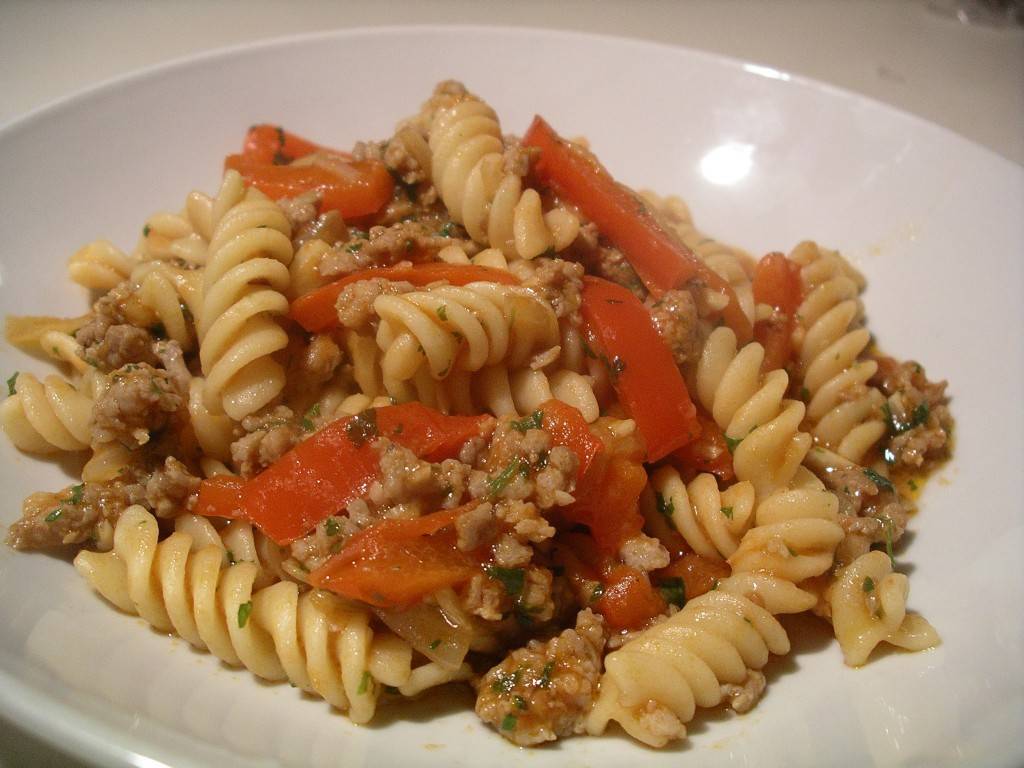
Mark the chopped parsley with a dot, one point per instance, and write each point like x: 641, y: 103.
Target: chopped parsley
x: 665, y: 505
x: 520, y: 702
x: 912, y: 484
x: 146, y: 230
x: 446, y: 230
x: 533, y: 421
x: 231, y: 558
x: 11, y: 382
x: 512, y: 579
x: 442, y: 312
x: 869, y: 584
x: 545, y: 675
x: 503, y: 682
x: 920, y: 415
x: 54, y: 516
x: 597, y: 593
x: 307, y: 418
x: 674, y: 591
x: 77, y: 491
x: 732, y: 443
x: 498, y: 483
x: 509, y: 723
x: 805, y: 394
x: 616, y: 367
x: 727, y: 511
x: 244, y: 610
x: 409, y: 245
x: 433, y: 645
x: 354, y: 247
x: 362, y: 427
x: 881, y: 481
x: 364, y: 683
x: 332, y: 527
x: 887, y: 522
x: 917, y: 417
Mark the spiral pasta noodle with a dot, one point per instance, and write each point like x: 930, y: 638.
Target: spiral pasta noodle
x: 752, y: 411
x: 654, y: 683
x: 869, y: 606
x: 47, y: 416
x: 467, y: 168
x: 449, y: 328
x: 243, y: 290
x: 173, y: 295
x: 100, y: 265
x: 187, y: 584
x: 711, y: 522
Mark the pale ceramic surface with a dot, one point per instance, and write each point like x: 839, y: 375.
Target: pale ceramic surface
x: 933, y: 220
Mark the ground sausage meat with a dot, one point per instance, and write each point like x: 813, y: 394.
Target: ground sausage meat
x: 675, y: 318
x: 919, y: 419
x: 171, y: 489
x: 140, y: 401
x: 559, y: 282
x: 355, y: 302
x: 268, y: 437
x: 544, y: 691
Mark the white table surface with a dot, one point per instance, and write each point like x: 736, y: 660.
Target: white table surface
x: 968, y: 79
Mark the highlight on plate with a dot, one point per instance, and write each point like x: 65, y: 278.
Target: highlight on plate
x: 458, y: 407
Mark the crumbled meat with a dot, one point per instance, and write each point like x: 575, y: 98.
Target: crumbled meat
x: 116, y: 333
x: 419, y: 238
x: 742, y: 698
x: 411, y: 482
x: 644, y: 553
x: 869, y: 512
x: 139, y: 401
x: 50, y: 520
x: 559, y: 282
x: 523, y: 464
x: 320, y: 360
x: 919, y: 419
x: 315, y: 549
x: 608, y: 262
x: 328, y: 227
x: 300, y: 210
x: 516, y: 157
x: 485, y: 597
x: 476, y: 528
x: 525, y: 520
x: 171, y: 489
x: 170, y: 355
x: 510, y: 553
x: 675, y: 318
x: 269, y: 435
x: 543, y: 691
x: 355, y: 302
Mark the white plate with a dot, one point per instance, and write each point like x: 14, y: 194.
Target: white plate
x: 933, y: 220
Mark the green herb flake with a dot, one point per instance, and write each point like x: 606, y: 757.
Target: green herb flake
x: 433, y: 645
x: 714, y: 585
x: 534, y: 421
x: 354, y: 247
x: 674, y: 591
x: 503, y: 682
x: 881, y: 481
x: 732, y: 443
x: 509, y: 723
x: 11, y: 383
x: 520, y: 702
x: 512, y: 579
x: 666, y: 506
x: 919, y: 415
x: 391, y: 689
x: 498, y: 483
x: 244, y: 611
x: 54, y: 516
x: 805, y: 394
x: 616, y: 366
x: 332, y: 527
x: 364, y: 683
x: 887, y: 522
x: 597, y: 592
x: 727, y: 511
x: 442, y: 312
x: 446, y: 230
x: 308, y: 416
x: 791, y: 551
x: 912, y: 484
x: 231, y: 558
x: 869, y: 584
x: 545, y: 675
x: 362, y: 427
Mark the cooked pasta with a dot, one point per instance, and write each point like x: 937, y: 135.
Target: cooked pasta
x: 377, y: 421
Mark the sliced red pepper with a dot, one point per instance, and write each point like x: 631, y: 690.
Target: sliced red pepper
x: 273, y: 145
x: 629, y: 601
x: 220, y: 496
x: 316, y: 313
x: 333, y: 467
x: 353, y: 188
x: 660, y: 260
x: 567, y: 427
x: 708, y: 453
x: 644, y: 375
x: 396, y: 563
x: 777, y: 284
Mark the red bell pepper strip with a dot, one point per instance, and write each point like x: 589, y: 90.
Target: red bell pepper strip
x: 629, y: 601
x: 698, y: 574
x: 273, y: 145
x: 396, y: 563
x: 660, y: 260
x: 567, y: 427
x: 322, y: 474
x: 352, y: 188
x: 220, y: 496
x: 777, y: 283
x: 607, y: 500
x: 316, y: 313
x: 644, y: 375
